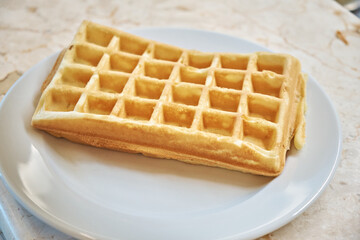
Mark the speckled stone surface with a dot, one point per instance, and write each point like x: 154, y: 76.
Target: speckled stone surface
x: 323, y: 35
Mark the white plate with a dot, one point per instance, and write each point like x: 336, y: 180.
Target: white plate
x: 95, y: 193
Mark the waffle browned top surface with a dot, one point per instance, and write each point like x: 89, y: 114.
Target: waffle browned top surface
x: 113, y: 75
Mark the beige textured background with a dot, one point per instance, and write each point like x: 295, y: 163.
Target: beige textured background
x: 324, y: 36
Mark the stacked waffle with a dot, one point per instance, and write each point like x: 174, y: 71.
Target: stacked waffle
x: 114, y: 90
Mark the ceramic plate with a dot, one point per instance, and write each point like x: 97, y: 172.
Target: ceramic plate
x: 99, y: 194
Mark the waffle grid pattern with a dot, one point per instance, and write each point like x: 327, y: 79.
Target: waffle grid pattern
x: 112, y: 73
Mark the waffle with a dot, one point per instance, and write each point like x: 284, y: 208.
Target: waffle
x: 115, y: 90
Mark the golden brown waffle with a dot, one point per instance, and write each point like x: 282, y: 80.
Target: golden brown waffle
x: 115, y: 90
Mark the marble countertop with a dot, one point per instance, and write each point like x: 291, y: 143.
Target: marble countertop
x: 322, y: 34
